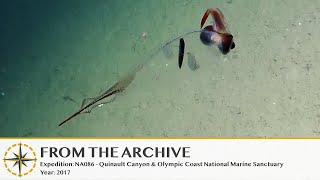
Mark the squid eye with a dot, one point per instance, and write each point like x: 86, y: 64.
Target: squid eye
x: 226, y: 43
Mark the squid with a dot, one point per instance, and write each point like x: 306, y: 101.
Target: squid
x: 216, y: 33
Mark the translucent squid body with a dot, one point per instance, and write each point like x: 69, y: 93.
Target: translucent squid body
x: 217, y: 33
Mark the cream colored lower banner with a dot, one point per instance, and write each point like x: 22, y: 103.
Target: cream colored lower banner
x: 194, y: 159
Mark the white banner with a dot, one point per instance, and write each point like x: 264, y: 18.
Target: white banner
x: 194, y: 159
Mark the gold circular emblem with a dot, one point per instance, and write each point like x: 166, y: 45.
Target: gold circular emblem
x: 20, y: 159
